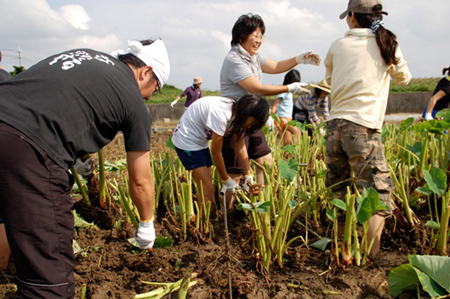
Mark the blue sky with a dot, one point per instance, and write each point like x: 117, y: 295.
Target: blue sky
x: 197, y: 34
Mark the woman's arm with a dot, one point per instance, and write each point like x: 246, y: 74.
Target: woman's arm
x: 274, y: 67
x: 216, y: 152
x: 252, y: 85
x: 433, y: 100
x: 275, y: 105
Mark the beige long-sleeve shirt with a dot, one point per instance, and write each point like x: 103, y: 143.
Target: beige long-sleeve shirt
x: 359, y: 78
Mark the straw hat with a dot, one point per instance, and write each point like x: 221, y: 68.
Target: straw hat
x: 198, y: 80
x: 323, y: 85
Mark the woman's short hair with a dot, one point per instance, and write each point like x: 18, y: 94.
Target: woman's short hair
x: 244, y: 26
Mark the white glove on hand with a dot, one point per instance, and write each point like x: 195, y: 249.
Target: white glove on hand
x: 428, y: 116
x: 308, y: 58
x: 298, y: 88
x: 230, y: 185
x: 145, y: 234
x: 173, y: 103
x: 248, y: 179
x: 85, y: 168
x: 270, y: 123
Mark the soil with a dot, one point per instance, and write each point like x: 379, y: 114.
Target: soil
x: 109, y: 267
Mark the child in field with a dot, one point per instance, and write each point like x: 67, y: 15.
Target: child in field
x: 283, y: 108
x: 359, y: 68
x: 305, y: 108
x: 217, y: 117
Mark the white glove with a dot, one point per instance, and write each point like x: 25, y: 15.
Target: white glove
x: 85, y: 168
x: 308, y: 58
x: 145, y: 234
x: 229, y: 185
x: 298, y: 88
x: 270, y: 123
x: 322, y: 131
x: 248, y: 179
x: 173, y: 103
x: 428, y: 116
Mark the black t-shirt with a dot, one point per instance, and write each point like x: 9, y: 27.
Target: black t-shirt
x: 444, y: 85
x: 74, y: 103
x: 4, y: 75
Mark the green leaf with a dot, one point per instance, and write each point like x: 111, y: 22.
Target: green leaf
x: 330, y: 214
x: 321, y: 174
x: 432, y: 224
x: 444, y: 113
x: 425, y: 189
x: 261, y: 207
x: 321, y: 244
x: 429, y: 285
x: 437, y: 267
x: 402, y: 278
x: 406, y: 124
x: 289, y: 149
x: 436, y: 180
x: 170, y: 144
x: 369, y: 202
x: 289, y: 171
x: 416, y: 148
x: 339, y: 204
x: 161, y: 242
x: 275, y: 117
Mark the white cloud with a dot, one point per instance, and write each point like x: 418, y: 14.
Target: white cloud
x: 76, y: 16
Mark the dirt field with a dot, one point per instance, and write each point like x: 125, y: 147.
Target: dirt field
x: 109, y: 267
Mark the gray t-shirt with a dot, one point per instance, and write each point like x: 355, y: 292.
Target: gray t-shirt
x: 237, y: 66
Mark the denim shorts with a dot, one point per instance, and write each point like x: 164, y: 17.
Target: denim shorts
x: 194, y: 159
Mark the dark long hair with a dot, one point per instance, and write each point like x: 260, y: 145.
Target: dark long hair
x: 244, y: 107
x: 446, y: 70
x: 291, y: 77
x: 133, y: 60
x: 244, y: 26
x: 386, y: 39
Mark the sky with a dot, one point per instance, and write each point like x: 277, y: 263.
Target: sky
x: 197, y: 34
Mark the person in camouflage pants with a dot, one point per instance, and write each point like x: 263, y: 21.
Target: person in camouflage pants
x: 350, y: 146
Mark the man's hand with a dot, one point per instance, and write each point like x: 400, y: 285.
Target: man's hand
x: 85, y: 168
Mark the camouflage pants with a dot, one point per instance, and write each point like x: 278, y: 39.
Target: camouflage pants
x: 350, y: 146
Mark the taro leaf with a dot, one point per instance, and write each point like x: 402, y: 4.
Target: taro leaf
x: 429, y: 285
x: 133, y: 242
x: 161, y: 242
x: 321, y: 174
x: 170, y: 144
x: 425, y: 189
x: 437, y: 267
x: 321, y: 244
x: 288, y: 171
x: 433, y: 126
x: 369, y: 203
x: 261, y: 207
x: 289, y: 149
x: 416, y: 148
x: 402, y: 278
x: 339, y: 204
x: 330, y: 214
x: 436, y: 180
x: 292, y: 203
x: 406, y: 124
x: 432, y: 224
x: 444, y: 114
x: 265, y: 129
x: 275, y: 117
x: 76, y: 247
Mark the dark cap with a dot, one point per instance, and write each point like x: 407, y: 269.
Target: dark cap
x: 361, y: 6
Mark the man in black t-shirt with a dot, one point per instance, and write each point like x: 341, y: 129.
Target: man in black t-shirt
x: 60, y: 109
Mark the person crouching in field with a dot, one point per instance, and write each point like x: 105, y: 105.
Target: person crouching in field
x: 217, y: 117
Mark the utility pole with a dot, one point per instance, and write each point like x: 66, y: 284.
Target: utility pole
x: 19, y: 54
